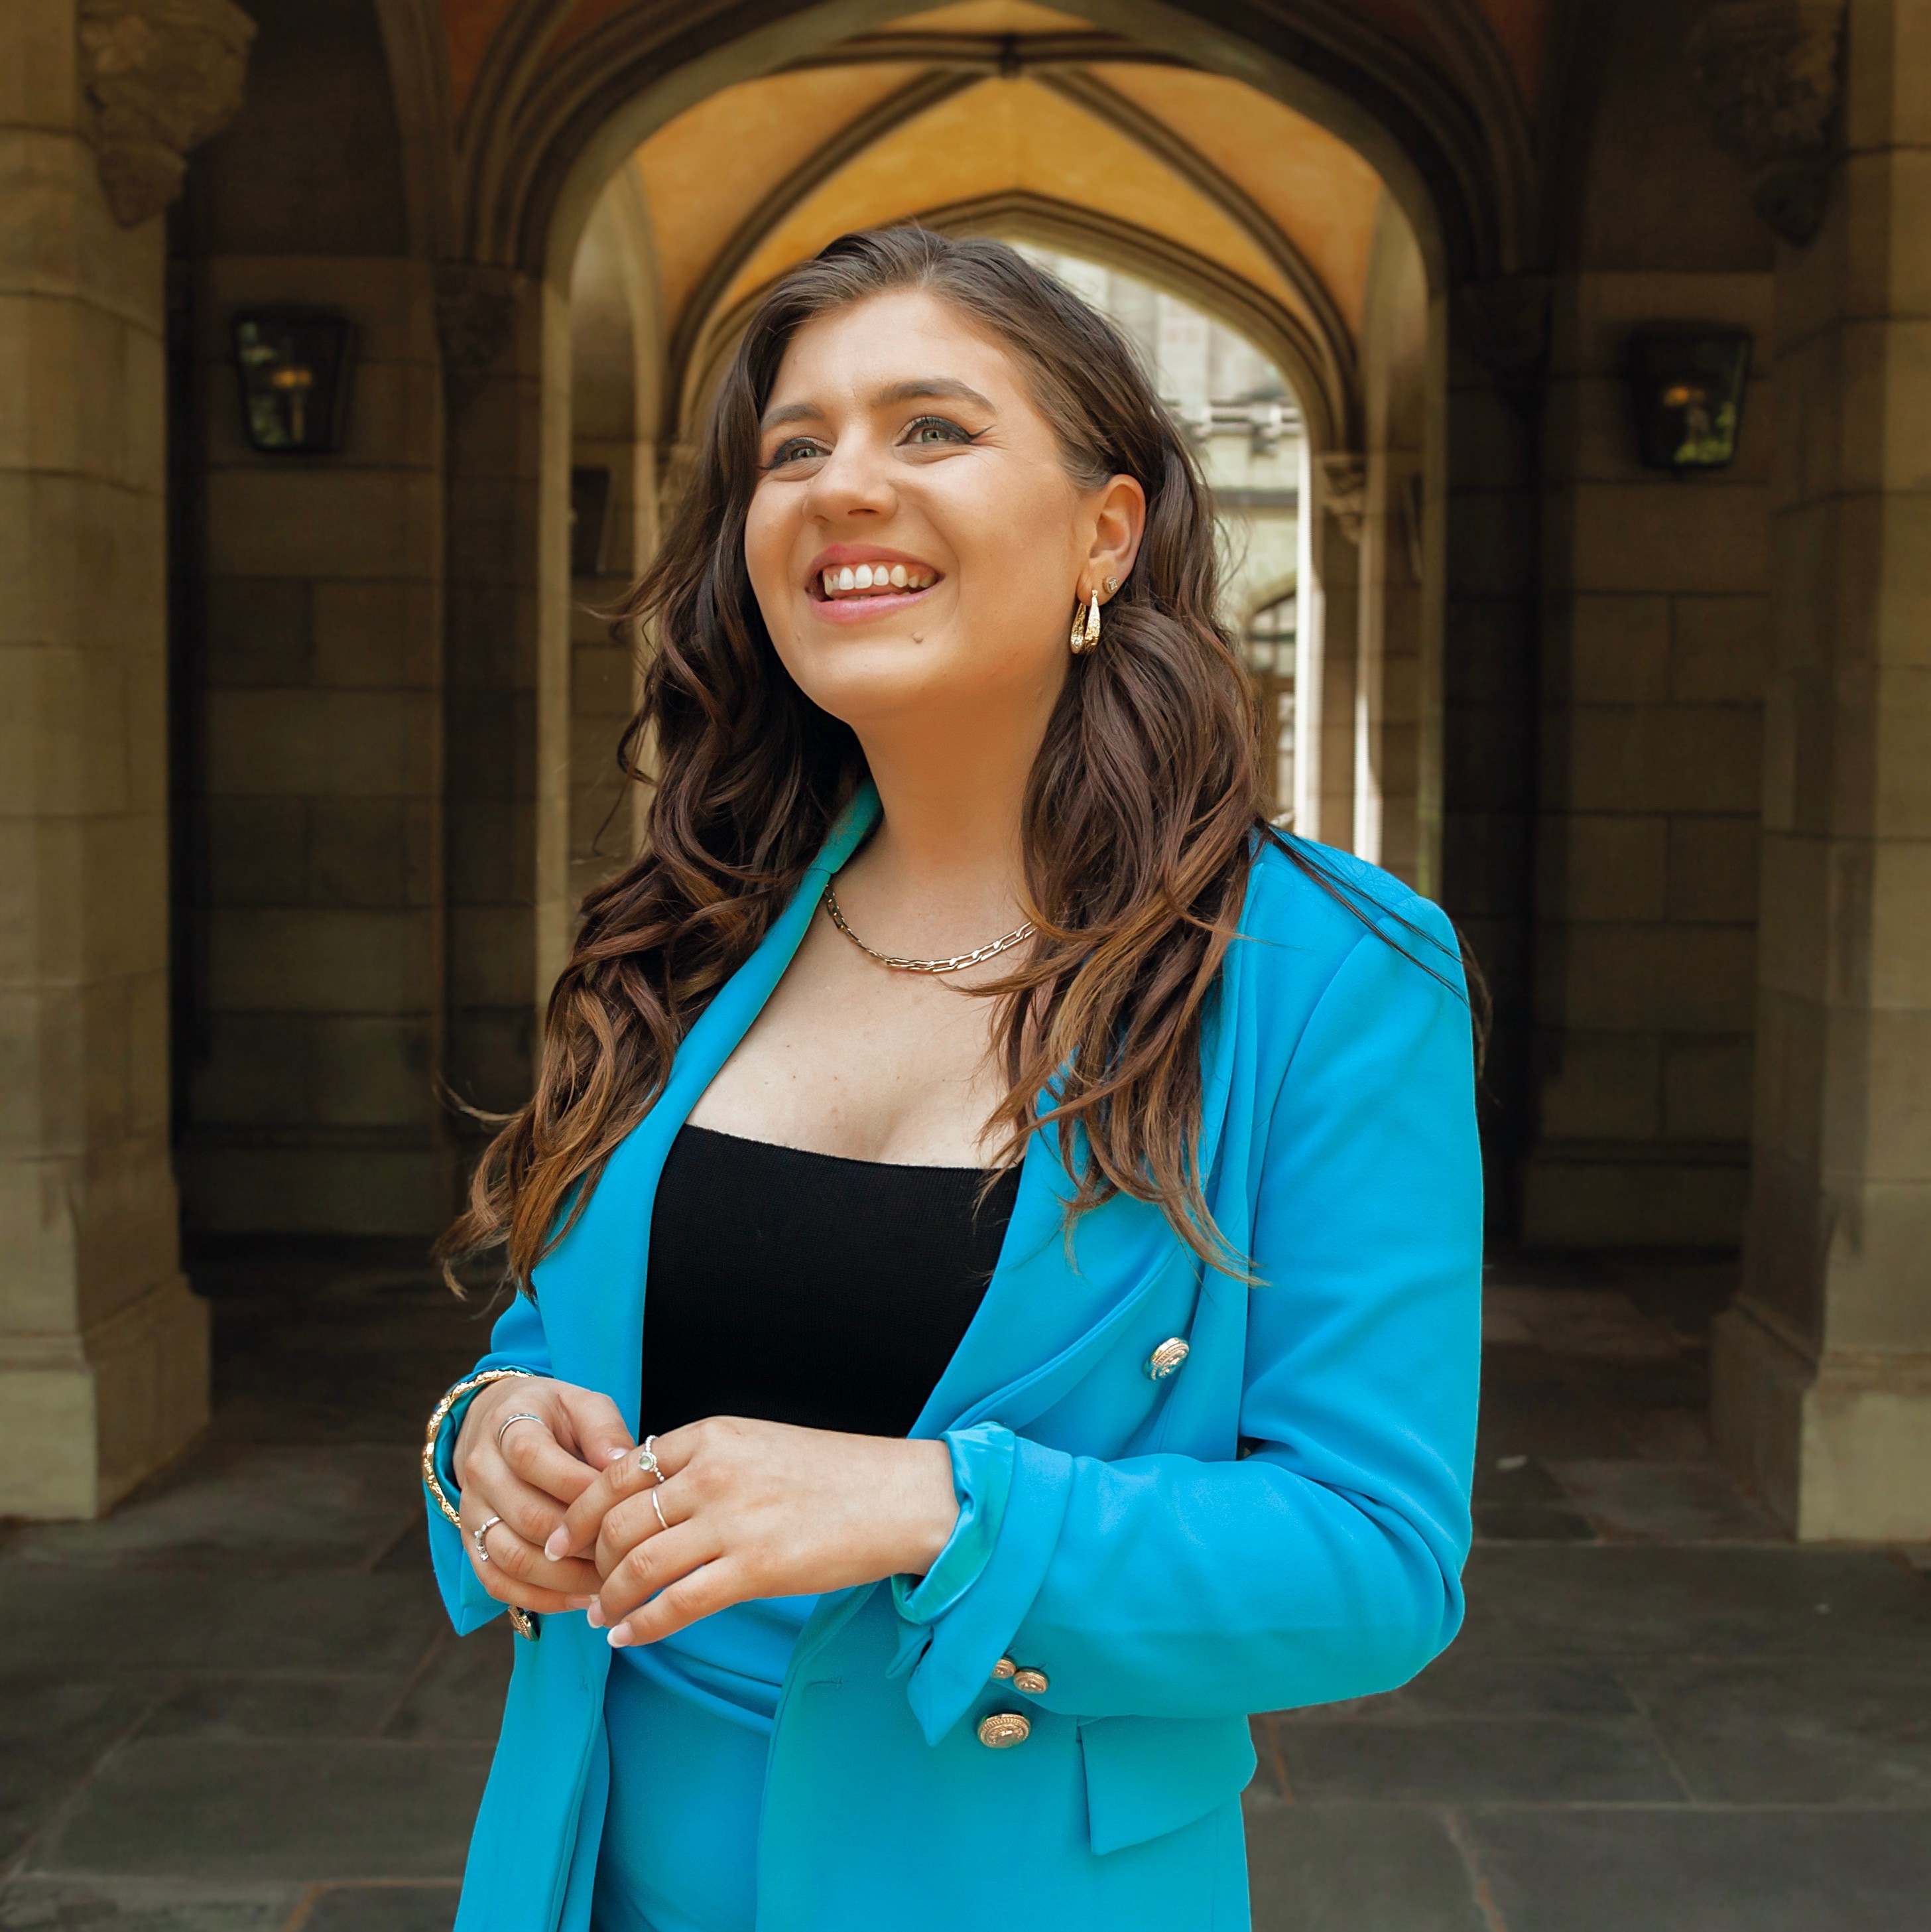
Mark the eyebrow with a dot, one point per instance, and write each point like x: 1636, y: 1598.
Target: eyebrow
x: 917, y: 389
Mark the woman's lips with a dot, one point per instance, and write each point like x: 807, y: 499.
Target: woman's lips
x: 859, y: 609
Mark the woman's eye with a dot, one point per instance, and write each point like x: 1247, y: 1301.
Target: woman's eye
x: 929, y: 430
x: 796, y: 450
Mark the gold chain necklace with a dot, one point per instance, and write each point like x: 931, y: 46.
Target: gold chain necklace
x: 957, y: 964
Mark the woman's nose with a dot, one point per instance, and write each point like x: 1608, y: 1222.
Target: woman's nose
x: 854, y: 480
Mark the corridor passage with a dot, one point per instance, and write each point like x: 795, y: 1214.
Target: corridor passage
x: 233, y: 1705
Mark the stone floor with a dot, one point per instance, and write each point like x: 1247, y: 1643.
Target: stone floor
x: 233, y: 1706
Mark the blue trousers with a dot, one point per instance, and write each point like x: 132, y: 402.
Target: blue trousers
x: 689, y: 1723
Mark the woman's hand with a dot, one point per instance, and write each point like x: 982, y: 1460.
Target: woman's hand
x: 755, y: 1509
x: 527, y: 1478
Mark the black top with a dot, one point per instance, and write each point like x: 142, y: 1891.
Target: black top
x: 807, y: 1289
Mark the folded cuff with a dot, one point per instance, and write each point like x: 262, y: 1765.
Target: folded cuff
x: 982, y: 1481
x: 948, y: 1660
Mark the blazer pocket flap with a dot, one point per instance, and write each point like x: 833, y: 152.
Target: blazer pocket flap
x: 1147, y: 1776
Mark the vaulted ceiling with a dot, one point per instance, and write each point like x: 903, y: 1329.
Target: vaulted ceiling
x: 1005, y: 114
x: 1520, y: 28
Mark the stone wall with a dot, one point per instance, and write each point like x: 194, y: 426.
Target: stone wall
x: 1823, y: 1369
x: 314, y: 894
x: 104, y: 1362
x: 1652, y: 652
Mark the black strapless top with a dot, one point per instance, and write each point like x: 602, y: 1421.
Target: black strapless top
x: 807, y: 1289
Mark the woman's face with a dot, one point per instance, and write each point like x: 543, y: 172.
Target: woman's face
x: 914, y: 541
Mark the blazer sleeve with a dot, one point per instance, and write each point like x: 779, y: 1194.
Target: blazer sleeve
x: 516, y: 1342
x: 1326, y: 1562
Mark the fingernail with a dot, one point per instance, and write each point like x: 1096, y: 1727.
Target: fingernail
x: 559, y: 1544
x: 578, y: 1603
x: 620, y: 1637
x: 615, y: 1455
x: 594, y: 1616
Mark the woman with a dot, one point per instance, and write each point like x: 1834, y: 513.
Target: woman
x: 957, y: 949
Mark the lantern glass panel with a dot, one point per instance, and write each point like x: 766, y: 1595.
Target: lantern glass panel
x: 295, y: 381
x: 1688, y: 387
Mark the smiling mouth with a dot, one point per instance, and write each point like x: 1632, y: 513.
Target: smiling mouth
x: 847, y: 582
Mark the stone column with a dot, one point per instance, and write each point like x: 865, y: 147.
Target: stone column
x: 1489, y: 341
x: 505, y: 790
x: 1387, y: 690
x: 1823, y: 1369
x: 103, y: 1352
x: 1330, y: 604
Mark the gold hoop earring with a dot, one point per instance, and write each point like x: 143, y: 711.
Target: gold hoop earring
x: 1086, y: 628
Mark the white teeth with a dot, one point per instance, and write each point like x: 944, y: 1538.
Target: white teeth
x: 874, y: 577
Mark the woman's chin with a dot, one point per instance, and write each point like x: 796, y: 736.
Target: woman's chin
x: 881, y: 680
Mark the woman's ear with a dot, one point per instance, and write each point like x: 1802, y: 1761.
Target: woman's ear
x: 1120, y: 523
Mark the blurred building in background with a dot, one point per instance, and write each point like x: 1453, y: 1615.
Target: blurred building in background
x: 1245, y: 427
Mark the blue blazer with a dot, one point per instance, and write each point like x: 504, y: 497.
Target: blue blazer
x: 1281, y: 1521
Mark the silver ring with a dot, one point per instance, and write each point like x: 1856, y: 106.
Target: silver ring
x: 659, y: 1507
x: 646, y: 1461
x: 476, y: 1537
x: 521, y: 1415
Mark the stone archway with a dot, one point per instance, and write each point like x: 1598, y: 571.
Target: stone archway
x: 1317, y: 343
x: 553, y: 99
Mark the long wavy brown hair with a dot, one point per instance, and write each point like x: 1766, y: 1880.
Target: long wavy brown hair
x: 1140, y: 813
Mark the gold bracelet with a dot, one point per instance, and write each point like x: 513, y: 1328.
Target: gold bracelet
x: 440, y: 1414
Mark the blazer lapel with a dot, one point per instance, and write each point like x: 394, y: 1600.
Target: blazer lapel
x: 1053, y: 1305
x: 592, y: 1287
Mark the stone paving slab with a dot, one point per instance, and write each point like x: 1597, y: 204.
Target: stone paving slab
x: 53, y: 1733
x: 459, y: 1694
x: 1357, y: 1868
x: 296, y: 1704
x: 1847, y: 1729
x: 236, y: 1706
x: 1658, y: 1502
x: 246, y: 1507
x: 1458, y: 1761
x: 69, y: 1623
x: 422, y: 1908
x: 91, y: 1905
x: 236, y: 1810
x: 1703, y: 1871
x: 1531, y: 1600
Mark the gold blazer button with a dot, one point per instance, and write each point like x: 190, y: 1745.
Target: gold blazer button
x: 1032, y: 1682
x: 1166, y: 1358
x: 1003, y: 1669
x: 1003, y: 1729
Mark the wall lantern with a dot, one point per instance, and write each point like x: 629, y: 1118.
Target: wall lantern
x: 295, y: 381
x: 1687, y: 383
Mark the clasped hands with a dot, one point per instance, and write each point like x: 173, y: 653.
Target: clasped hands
x: 750, y: 1509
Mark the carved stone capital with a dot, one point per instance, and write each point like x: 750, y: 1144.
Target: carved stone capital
x: 1770, y: 73
x: 1344, y: 489
x: 160, y: 76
